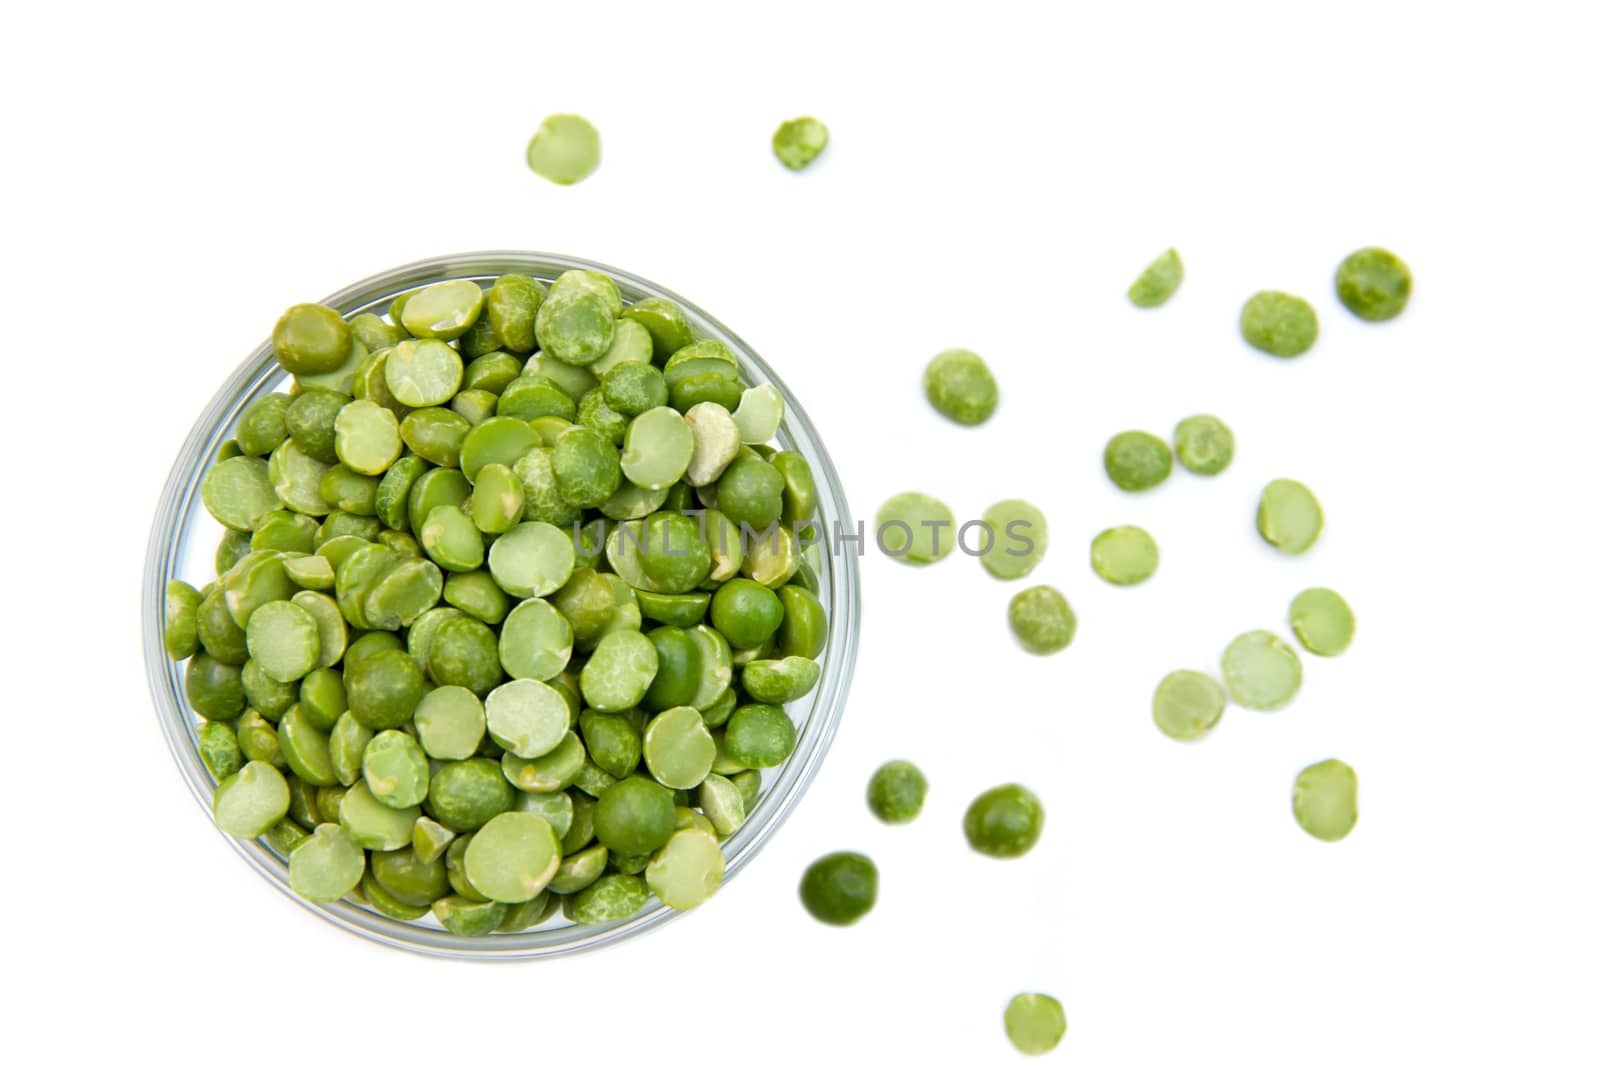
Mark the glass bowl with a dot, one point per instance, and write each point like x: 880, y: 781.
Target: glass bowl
x: 183, y: 539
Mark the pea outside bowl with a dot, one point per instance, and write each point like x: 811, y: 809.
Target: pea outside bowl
x: 184, y: 537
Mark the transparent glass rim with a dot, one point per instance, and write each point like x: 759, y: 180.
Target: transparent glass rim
x: 259, y: 373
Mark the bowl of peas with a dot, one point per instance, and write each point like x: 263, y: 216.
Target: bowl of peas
x: 489, y: 609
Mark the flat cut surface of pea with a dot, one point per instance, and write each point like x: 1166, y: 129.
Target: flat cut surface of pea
x: 428, y: 675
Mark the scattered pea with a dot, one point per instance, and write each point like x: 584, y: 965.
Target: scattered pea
x: 1137, y: 461
x: 896, y: 791
x: 1042, y: 620
x: 798, y: 142
x: 1203, y: 444
x: 960, y: 386
x: 1035, y: 1023
x: 1187, y: 705
x: 1322, y: 621
x: 1289, y: 517
x: 1261, y: 671
x: 916, y: 528
x: 1158, y: 282
x: 1278, y: 324
x: 1004, y: 822
x: 1374, y: 284
x: 839, y: 888
x: 1124, y: 555
x: 1325, y: 800
x: 1017, y: 539
x: 565, y: 149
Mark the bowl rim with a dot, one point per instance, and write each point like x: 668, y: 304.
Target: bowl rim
x: 180, y: 493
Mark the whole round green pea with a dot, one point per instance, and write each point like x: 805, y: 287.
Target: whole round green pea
x: 896, y: 791
x: 960, y: 386
x: 759, y: 735
x: 311, y: 339
x: 635, y: 816
x: 839, y: 888
x: 1374, y: 283
x: 1204, y: 444
x: 1004, y: 822
x: 746, y: 612
x: 751, y: 491
x: 1136, y: 461
x: 1042, y: 620
x: 1278, y: 324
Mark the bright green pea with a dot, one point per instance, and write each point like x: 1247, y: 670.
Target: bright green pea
x: 1204, y: 444
x: 429, y: 840
x: 759, y: 413
x: 323, y: 698
x: 283, y: 640
x: 465, y: 652
x: 257, y: 739
x: 239, y: 491
x: 672, y: 554
x: 245, y: 804
x: 497, y: 499
x: 678, y: 748
x: 1159, y: 281
x: 535, y: 396
x: 750, y: 492
x: 535, y: 641
x: 1278, y: 324
x: 513, y: 857
x: 1137, y: 461
x: 1017, y: 540
x: 595, y: 414
x: 443, y: 311
x: 896, y: 791
x: 587, y: 469
x: 310, y: 421
x: 630, y: 343
x: 1004, y: 822
x: 839, y: 888
x: 759, y: 735
x: 435, y: 434
x: 261, y: 428
x: 512, y: 304
x: 723, y: 803
x: 557, y: 769
x: 575, y: 326
x: 1261, y: 671
x: 1187, y: 705
x: 799, y: 487
x: 1325, y: 800
x: 374, y: 333
x: 1289, y: 517
x: 366, y: 438
x: 611, y: 898
x: 327, y: 865
x: 687, y: 871
x: 465, y: 794
x: 410, y: 878
x: 476, y: 593
x: 218, y: 746
x: 347, y: 744
x: 780, y: 681
x: 180, y: 632
x: 310, y: 339
x: 1322, y: 621
x: 526, y: 717
x: 383, y: 689
x: 615, y: 742
x: 804, y: 629
x: 565, y: 149
x: 213, y: 688
x: 665, y: 322
x: 746, y: 613
x: 532, y: 559
x: 345, y: 490
x: 1124, y: 555
x: 798, y: 142
x: 1042, y: 620
x: 632, y: 388
x: 915, y: 528
x: 395, y: 769
x: 657, y: 449
x: 469, y: 918
x: 475, y: 405
x: 680, y: 609
x: 451, y: 540
x: 960, y: 386
x: 619, y: 671
x: 580, y: 869
x: 1374, y: 284
x: 1035, y: 1023
x: 635, y: 816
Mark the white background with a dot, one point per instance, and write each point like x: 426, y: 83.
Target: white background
x: 177, y: 174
